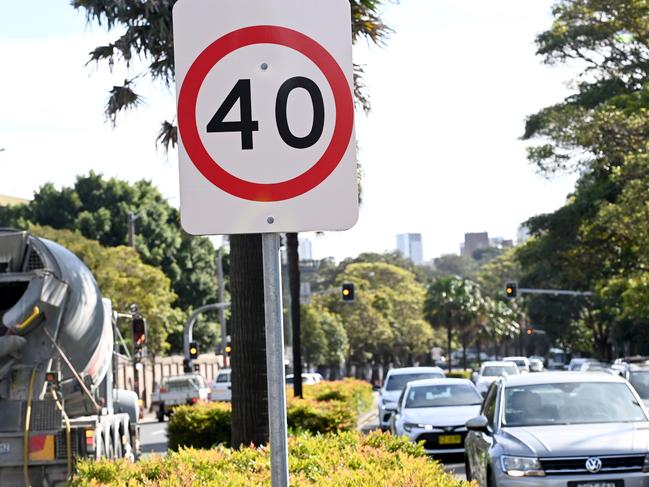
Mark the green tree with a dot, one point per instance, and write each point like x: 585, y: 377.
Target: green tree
x: 324, y: 339
x: 456, y: 265
x: 98, y: 208
x: 453, y: 303
x: 125, y: 279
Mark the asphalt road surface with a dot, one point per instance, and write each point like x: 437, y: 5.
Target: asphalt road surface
x: 153, y: 437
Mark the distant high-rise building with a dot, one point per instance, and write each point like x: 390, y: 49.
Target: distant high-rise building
x: 305, y: 249
x: 501, y: 243
x: 409, y: 244
x: 473, y: 242
x: 523, y: 234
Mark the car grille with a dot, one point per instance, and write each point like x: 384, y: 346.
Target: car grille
x: 610, y: 464
x: 431, y: 440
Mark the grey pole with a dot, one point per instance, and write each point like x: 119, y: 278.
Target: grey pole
x: 275, y: 360
x: 189, y: 324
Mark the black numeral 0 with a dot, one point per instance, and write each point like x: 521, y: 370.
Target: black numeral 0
x: 281, y: 112
x: 246, y: 126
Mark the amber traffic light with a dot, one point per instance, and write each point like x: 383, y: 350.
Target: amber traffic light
x: 347, y: 292
x: 511, y: 289
x: 193, y: 350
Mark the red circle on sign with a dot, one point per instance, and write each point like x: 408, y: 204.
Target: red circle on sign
x: 210, y: 169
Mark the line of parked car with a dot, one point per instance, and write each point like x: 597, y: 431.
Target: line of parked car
x: 191, y: 389
x: 568, y: 429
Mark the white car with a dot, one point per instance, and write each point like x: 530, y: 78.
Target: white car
x: 307, y: 378
x: 536, y: 365
x: 176, y: 391
x: 221, y: 388
x: 435, y: 411
x: 395, y: 381
x: 523, y: 363
x: 490, y: 371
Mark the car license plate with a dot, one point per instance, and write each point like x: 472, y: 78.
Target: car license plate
x: 597, y: 483
x: 5, y: 448
x: 449, y: 439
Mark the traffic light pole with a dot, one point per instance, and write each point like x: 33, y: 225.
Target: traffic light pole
x: 189, y: 324
x: 556, y: 292
x: 275, y: 361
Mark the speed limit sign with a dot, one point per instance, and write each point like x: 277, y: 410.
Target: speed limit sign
x: 265, y: 116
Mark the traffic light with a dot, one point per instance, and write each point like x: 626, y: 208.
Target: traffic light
x: 511, y: 289
x: 139, y: 333
x: 530, y: 331
x: 347, y: 292
x: 228, y: 346
x: 187, y: 366
x: 193, y: 350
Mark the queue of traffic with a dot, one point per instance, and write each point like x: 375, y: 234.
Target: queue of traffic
x: 511, y: 425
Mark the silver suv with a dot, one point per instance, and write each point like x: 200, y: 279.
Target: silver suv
x: 559, y: 429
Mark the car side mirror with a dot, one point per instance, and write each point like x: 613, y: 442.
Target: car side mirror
x: 376, y: 387
x: 479, y: 423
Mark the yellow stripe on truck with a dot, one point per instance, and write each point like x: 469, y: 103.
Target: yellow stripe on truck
x: 41, y: 447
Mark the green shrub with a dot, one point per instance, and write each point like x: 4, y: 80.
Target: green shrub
x: 357, y: 393
x: 459, y: 374
x: 305, y: 415
x: 200, y: 425
x: 345, y: 460
x: 327, y: 407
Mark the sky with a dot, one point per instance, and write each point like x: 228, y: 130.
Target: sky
x: 440, y: 150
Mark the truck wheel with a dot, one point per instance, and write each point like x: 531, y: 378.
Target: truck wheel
x: 161, y: 413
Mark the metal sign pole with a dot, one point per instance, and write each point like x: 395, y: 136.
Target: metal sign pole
x: 275, y: 360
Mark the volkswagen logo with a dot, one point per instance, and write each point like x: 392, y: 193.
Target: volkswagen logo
x: 593, y: 464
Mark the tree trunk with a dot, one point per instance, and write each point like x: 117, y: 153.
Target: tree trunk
x: 464, y: 343
x: 294, y: 285
x: 449, y: 337
x: 248, y: 338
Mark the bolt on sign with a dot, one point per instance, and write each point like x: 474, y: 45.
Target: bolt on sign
x: 265, y: 116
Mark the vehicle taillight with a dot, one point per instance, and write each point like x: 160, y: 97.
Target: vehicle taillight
x: 163, y: 389
x: 195, y: 400
x: 90, y: 441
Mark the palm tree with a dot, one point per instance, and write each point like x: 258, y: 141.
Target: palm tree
x: 453, y: 303
x: 145, y: 29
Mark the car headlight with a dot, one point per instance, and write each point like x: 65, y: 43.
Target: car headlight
x: 410, y: 426
x: 521, y: 466
x: 645, y: 466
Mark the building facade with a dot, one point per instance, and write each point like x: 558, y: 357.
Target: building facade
x: 409, y: 244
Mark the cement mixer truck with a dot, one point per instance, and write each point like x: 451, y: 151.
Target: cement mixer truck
x: 57, y: 398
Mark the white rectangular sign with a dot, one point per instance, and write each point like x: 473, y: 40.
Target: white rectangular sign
x: 265, y: 116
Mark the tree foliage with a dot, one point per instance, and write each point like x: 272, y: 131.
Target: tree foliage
x: 597, y: 241
x: 98, y: 208
x: 125, y: 279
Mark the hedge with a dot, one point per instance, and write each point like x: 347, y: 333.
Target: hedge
x: 343, y: 460
x: 327, y: 407
x: 459, y: 374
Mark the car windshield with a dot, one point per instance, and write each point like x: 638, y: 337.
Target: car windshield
x: 640, y: 382
x: 570, y: 403
x: 183, y: 384
x: 518, y: 362
x: 398, y: 381
x: 498, y: 370
x: 223, y: 377
x: 442, y: 395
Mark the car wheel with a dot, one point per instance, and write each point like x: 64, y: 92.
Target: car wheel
x: 161, y: 414
x: 491, y: 479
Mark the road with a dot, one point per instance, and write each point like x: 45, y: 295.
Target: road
x: 153, y: 437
